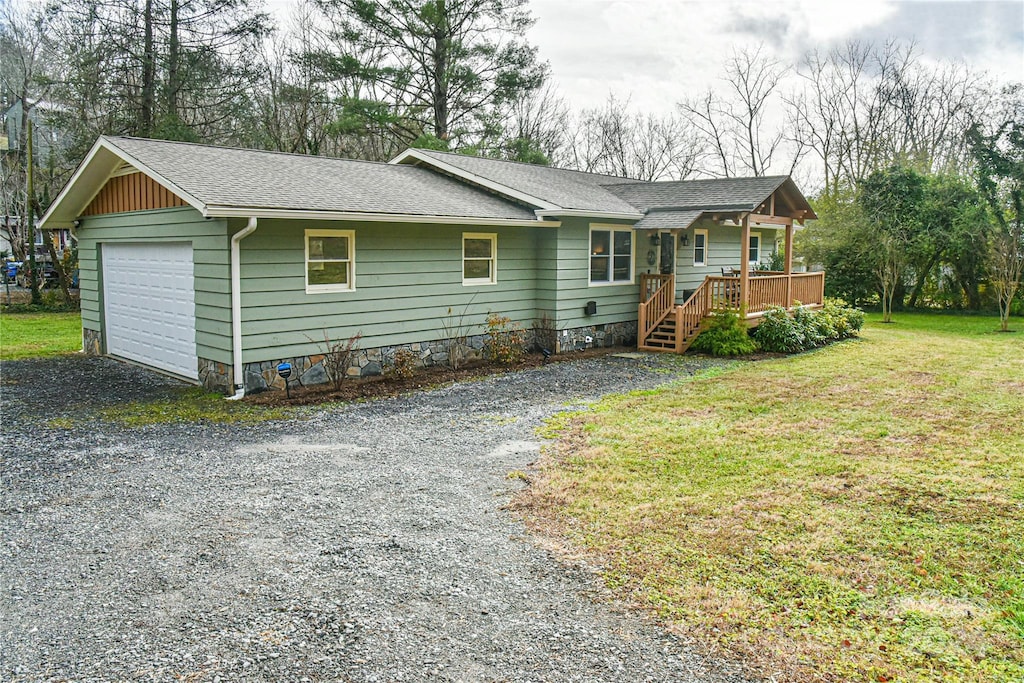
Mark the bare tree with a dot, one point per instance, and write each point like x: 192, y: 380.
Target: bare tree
x: 615, y: 140
x: 733, y: 119
x: 863, y: 107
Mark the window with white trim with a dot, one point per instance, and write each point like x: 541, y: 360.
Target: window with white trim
x: 700, y: 247
x: 754, y: 251
x: 611, y: 255
x: 479, y: 258
x: 330, y: 260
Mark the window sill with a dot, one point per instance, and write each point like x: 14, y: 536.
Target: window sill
x: 328, y: 289
x: 616, y: 283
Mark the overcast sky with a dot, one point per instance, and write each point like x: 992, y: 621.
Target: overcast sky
x: 660, y: 51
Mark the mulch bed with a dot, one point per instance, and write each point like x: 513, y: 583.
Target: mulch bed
x: 383, y: 386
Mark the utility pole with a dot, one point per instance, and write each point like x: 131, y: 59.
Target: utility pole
x: 30, y: 203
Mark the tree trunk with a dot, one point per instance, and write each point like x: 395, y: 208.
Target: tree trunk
x: 922, y: 277
x: 441, y: 72
x: 173, y: 57
x: 148, y: 73
x: 58, y: 267
x: 30, y: 220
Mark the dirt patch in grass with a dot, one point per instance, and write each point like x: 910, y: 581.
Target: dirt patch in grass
x: 383, y: 386
x: 856, y: 513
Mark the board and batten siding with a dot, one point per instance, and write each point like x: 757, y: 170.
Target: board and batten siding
x: 209, y: 239
x: 407, y: 277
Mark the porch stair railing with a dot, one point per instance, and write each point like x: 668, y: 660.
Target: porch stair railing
x: 677, y: 328
x: 659, y: 297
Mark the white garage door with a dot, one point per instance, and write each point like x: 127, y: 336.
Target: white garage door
x: 149, y: 305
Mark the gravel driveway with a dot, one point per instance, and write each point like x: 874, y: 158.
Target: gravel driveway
x: 367, y: 543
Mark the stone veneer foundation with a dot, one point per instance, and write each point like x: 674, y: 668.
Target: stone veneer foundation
x: 309, y: 370
x: 92, y: 342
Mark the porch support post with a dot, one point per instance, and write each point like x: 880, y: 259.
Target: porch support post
x: 745, y: 265
x: 788, y: 269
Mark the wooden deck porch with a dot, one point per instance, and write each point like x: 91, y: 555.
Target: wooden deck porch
x: 663, y: 325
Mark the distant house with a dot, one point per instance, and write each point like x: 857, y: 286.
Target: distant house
x: 214, y: 264
x: 45, y: 138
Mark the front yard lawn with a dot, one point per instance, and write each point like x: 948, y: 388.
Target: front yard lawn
x: 34, y: 335
x: 853, y: 513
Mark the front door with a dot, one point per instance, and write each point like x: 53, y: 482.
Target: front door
x: 668, y: 253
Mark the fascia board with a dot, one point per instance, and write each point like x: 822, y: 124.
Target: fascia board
x: 218, y: 211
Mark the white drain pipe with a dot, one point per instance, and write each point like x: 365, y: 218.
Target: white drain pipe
x: 236, y: 307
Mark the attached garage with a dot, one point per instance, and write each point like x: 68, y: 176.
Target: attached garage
x: 149, y: 304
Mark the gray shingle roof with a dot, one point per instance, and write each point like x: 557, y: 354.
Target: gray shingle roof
x: 722, y: 194
x: 221, y: 176
x: 669, y: 220
x: 561, y: 187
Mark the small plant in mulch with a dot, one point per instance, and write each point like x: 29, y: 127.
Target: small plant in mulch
x: 506, y: 341
x: 338, y: 356
x: 403, y: 365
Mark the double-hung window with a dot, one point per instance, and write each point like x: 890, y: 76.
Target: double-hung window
x: 611, y: 255
x: 479, y: 258
x: 700, y: 247
x: 330, y: 260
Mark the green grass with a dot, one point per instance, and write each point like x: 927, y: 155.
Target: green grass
x: 36, y: 335
x: 854, y: 513
x: 192, y: 405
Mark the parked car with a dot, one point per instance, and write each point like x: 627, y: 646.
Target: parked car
x: 10, y: 272
x: 47, y: 276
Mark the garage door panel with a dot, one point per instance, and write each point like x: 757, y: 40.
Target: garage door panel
x: 149, y: 304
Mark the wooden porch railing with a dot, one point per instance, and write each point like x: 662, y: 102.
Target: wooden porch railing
x: 767, y: 291
x: 658, y: 294
x: 690, y: 316
x: 808, y: 288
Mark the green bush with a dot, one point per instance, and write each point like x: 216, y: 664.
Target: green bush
x: 846, y: 320
x: 807, y: 328
x: 778, y: 332
x: 725, y: 336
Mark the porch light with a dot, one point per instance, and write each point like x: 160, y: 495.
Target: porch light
x: 655, y: 239
x: 684, y: 240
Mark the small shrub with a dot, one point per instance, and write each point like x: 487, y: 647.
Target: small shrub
x: 456, y: 335
x: 403, y: 366
x: 778, y: 333
x: 506, y: 340
x: 725, y: 336
x: 338, y: 357
x: 545, y: 333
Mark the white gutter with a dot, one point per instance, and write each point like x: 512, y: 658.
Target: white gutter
x: 221, y: 211
x: 236, y: 307
x: 618, y: 215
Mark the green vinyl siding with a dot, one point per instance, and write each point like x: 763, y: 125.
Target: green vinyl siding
x: 407, y: 277
x: 571, y: 287
x: 210, y: 254
x: 724, y: 250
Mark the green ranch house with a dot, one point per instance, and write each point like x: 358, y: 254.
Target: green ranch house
x: 214, y: 264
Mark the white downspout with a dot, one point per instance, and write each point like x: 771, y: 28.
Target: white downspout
x: 236, y: 308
